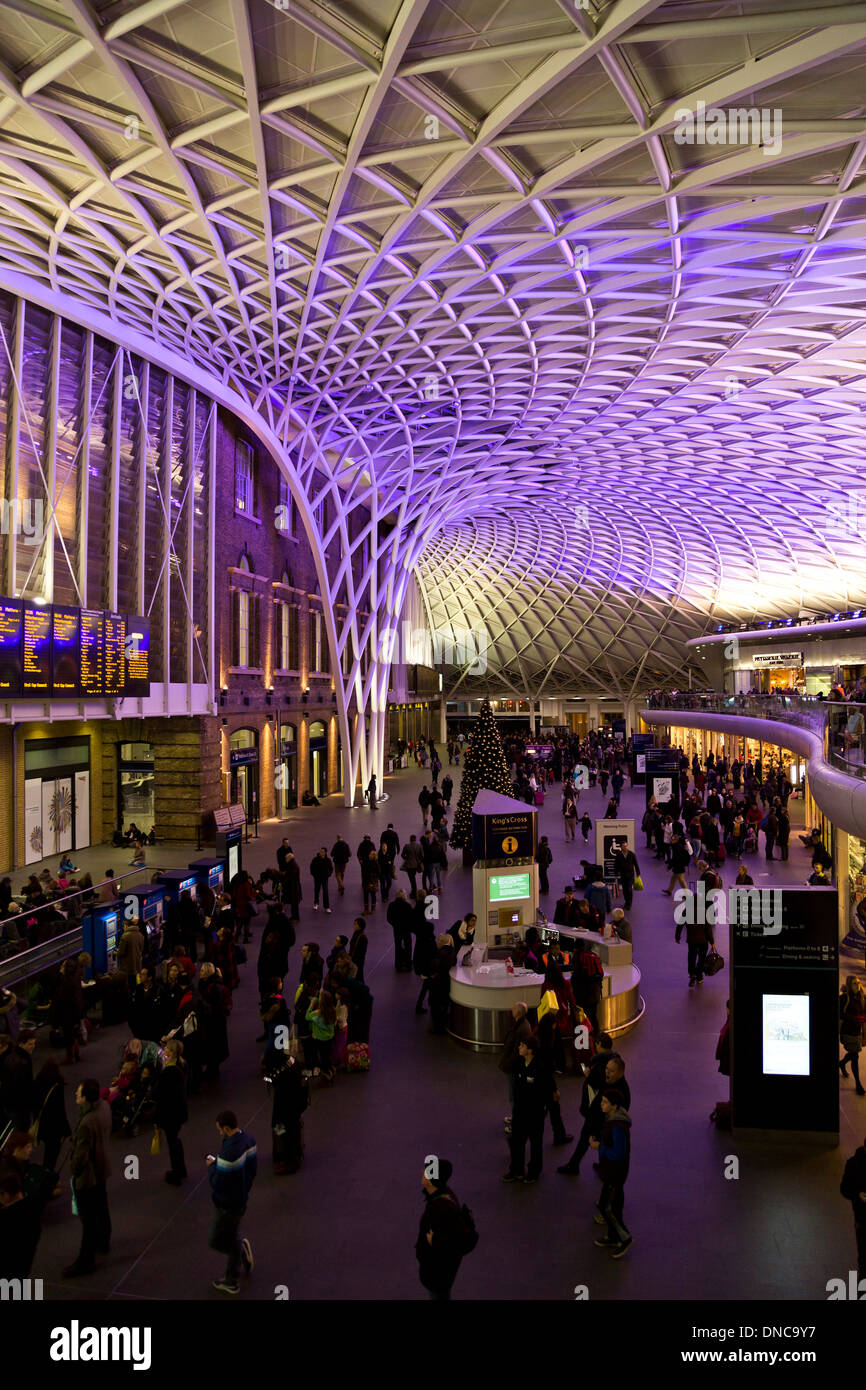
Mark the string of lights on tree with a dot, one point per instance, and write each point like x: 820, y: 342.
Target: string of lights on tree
x: 485, y: 768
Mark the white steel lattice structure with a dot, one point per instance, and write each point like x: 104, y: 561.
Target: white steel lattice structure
x: 601, y: 387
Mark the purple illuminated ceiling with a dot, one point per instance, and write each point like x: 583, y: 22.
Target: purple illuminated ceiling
x: 606, y: 376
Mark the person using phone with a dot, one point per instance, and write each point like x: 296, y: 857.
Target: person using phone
x: 232, y: 1173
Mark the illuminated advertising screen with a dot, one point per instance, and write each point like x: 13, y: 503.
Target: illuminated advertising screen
x: 65, y: 626
x: 92, y: 652
x: 114, y: 634
x: 10, y: 647
x: 785, y: 1034
x: 234, y: 860
x: 506, y: 887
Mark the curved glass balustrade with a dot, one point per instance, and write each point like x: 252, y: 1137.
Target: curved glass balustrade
x: 840, y: 725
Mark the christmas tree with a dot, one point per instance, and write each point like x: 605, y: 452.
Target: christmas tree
x: 484, y: 768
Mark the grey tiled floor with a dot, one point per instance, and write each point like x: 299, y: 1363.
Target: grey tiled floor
x: 344, y: 1227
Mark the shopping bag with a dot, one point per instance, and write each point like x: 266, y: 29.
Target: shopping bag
x: 358, y: 1056
x: 638, y: 884
x: 156, y: 1142
x: 547, y: 1004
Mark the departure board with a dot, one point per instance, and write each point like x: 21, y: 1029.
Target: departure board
x: 10, y: 647
x: 113, y: 669
x: 137, y: 656
x: 66, y: 624
x: 92, y: 652
x: 53, y: 651
x: 36, y: 663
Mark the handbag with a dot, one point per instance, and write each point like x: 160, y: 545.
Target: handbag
x: 714, y: 962
x: 156, y: 1142
x: 33, y: 1131
x: 547, y: 1004
x: 638, y: 884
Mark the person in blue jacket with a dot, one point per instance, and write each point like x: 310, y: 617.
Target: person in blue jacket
x: 614, y: 1150
x: 232, y: 1174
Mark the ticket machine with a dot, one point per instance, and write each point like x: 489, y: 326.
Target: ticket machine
x: 101, y: 929
x: 211, y: 872
x: 175, y: 882
x: 145, y: 902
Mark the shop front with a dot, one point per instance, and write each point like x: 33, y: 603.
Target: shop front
x: 286, y: 770
x: 136, y: 784
x: 318, y: 759
x: 56, y: 796
x: 244, y: 771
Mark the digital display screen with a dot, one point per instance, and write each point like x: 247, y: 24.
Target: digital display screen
x: 92, y: 652
x: 10, y: 647
x: 36, y: 665
x: 785, y: 1034
x: 137, y: 656
x: 110, y: 921
x: 65, y: 643
x: 53, y: 650
x: 505, y: 887
x: 115, y: 654
x: 234, y: 860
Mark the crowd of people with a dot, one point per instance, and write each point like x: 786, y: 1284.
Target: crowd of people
x: 180, y: 984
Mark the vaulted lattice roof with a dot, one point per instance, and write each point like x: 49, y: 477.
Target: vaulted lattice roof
x: 610, y: 384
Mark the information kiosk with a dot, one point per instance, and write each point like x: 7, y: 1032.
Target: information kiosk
x: 505, y: 874
x: 785, y: 1009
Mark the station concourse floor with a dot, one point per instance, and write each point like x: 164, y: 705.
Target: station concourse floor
x: 344, y: 1227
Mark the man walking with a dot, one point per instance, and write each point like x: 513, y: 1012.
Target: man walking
x: 171, y: 1109
x: 321, y: 869
x: 340, y: 854
x: 627, y: 869
x: 400, y: 915
x: 854, y: 1188
x: 424, y: 800
x: 292, y: 894
x: 534, y: 1090
x: 614, y: 1148
x: 441, y: 1237
x: 232, y: 1174
x: 699, y: 936
x: 413, y: 862
x: 606, y: 1069
x: 90, y: 1168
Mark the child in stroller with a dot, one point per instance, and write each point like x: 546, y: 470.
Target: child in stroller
x: 750, y: 840
x: 132, y: 1090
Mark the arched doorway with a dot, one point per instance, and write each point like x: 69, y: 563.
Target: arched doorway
x: 318, y: 759
x: 244, y: 771
x: 287, y: 769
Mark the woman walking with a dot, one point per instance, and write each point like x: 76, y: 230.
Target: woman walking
x: 852, y: 1027
x: 370, y: 880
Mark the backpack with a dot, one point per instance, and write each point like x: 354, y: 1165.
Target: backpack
x: 467, y: 1233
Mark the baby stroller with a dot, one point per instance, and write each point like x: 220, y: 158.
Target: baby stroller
x: 750, y: 840
x: 133, y: 1104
